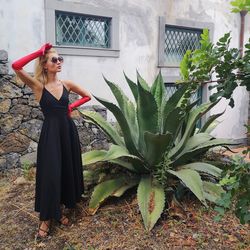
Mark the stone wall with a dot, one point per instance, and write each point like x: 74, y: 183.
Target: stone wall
x: 21, y: 119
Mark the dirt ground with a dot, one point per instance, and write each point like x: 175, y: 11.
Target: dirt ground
x: 116, y: 225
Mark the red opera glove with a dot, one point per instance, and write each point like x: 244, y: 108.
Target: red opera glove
x: 18, y: 64
x: 77, y: 103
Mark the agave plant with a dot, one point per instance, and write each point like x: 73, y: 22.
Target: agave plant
x: 159, y: 142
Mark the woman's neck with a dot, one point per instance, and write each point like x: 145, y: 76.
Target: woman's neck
x: 52, y: 78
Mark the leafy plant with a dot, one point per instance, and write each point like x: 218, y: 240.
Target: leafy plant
x: 26, y: 168
x: 239, y: 5
x: 158, y: 146
x: 229, y: 68
x: 236, y: 180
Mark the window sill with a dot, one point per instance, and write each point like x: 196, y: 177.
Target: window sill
x: 86, y: 51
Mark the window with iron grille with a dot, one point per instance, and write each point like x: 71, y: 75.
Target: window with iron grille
x: 177, y: 41
x: 82, y: 30
x: 78, y: 28
x: 172, y: 87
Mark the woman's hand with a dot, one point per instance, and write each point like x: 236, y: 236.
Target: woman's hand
x: 69, y: 111
x: 45, y: 47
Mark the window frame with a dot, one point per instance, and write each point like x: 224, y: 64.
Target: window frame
x: 51, y: 6
x: 182, y: 24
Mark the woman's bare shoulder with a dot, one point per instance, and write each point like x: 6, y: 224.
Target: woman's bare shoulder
x: 67, y: 84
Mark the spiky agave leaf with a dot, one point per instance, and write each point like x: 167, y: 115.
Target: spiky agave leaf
x: 192, y: 180
x: 112, y: 155
x: 129, y: 140
x: 212, y: 191
x: 114, y: 187
x: 210, y: 120
x: 127, y: 108
x: 132, y: 86
x: 194, y: 116
x: 147, y: 115
x: 151, y: 200
x: 203, y: 167
x: 108, y: 129
x: 182, y: 158
x: 156, y: 145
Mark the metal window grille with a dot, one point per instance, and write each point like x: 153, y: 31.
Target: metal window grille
x: 171, y: 88
x: 178, y: 41
x: 82, y: 30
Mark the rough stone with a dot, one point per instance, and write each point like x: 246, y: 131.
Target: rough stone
x: 9, y: 123
x: 31, y: 129
x: 5, y: 105
x: 21, y: 101
x: 30, y: 158
x: 4, y: 69
x: 27, y: 90
x: 33, y: 102
x: 37, y: 114
x: 32, y: 147
x: 3, y: 55
x: 3, y: 163
x: 21, y: 109
x: 9, y: 91
x: 13, y: 160
x: 14, y: 143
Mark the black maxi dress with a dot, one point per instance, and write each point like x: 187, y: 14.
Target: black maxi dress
x: 59, y: 176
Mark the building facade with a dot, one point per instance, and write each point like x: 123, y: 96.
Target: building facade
x: 104, y: 37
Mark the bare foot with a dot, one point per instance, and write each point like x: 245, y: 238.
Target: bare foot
x: 64, y: 220
x: 43, y: 230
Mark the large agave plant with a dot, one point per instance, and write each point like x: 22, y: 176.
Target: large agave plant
x: 159, y: 142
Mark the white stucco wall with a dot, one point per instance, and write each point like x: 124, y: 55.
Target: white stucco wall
x: 22, y: 29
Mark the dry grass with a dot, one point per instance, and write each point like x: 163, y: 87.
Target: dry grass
x: 116, y: 225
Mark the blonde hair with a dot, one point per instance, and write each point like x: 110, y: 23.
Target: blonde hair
x: 40, y: 73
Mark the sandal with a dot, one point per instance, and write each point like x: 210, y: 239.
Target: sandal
x: 64, y: 221
x: 45, y: 231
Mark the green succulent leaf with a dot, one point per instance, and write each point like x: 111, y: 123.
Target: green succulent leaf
x: 192, y: 180
x: 129, y: 140
x: 133, y: 87
x: 193, y: 117
x: 112, y: 155
x: 109, y: 188
x: 203, y: 168
x: 151, y: 200
x: 187, y: 155
x: 127, y: 108
x: 105, y: 126
x: 212, y: 191
x: 147, y: 114
x: 156, y: 146
x: 210, y: 121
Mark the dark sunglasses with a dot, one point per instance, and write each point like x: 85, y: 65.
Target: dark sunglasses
x: 59, y: 58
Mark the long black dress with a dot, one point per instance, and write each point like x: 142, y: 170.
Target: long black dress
x: 59, y: 176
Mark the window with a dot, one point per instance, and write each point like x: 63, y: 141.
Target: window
x: 176, y: 38
x: 172, y: 87
x: 79, y: 29
x: 178, y: 41
x: 82, y: 30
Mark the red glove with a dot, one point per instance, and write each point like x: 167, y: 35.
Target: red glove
x: 18, y: 64
x: 77, y: 103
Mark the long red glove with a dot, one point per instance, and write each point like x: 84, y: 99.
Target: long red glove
x: 18, y: 64
x: 77, y: 103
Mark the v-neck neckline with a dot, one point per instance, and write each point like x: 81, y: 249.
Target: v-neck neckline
x: 53, y: 95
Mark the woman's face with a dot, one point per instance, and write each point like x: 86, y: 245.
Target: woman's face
x: 54, y: 63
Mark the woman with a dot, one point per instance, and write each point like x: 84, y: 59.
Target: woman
x: 59, y: 177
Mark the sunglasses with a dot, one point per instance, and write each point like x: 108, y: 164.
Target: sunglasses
x: 59, y: 58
